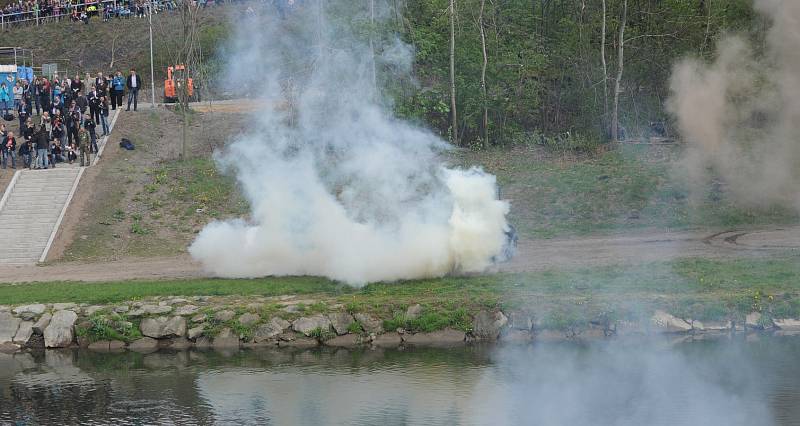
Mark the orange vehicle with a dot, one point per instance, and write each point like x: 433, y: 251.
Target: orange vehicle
x: 177, y: 76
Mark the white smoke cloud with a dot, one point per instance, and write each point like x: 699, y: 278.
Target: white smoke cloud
x: 338, y: 187
x: 741, y: 114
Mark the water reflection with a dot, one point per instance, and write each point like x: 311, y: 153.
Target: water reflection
x: 624, y: 382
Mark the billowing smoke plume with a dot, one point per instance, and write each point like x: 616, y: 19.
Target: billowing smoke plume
x: 741, y: 114
x: 338, y: 187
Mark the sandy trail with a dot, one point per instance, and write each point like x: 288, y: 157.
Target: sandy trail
x: 651, y: 247
x: 532, y: 255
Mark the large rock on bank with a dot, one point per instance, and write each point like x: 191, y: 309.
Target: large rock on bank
x: 271, y: 330
x: 162, y: 327
x: 307, y: 325
x: 29, y: 312
x: 60, y: 332
x: 341, y: 322
x: 9, y: 325
x: 487, y: 326
x: 665, y: 323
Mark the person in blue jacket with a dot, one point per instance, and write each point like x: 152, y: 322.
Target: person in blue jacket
x: 117, y: 90
x: 5, y: 98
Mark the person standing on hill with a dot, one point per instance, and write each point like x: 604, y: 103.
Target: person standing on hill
x: 118, y: 87
x: 76, y: 85
x: 42, y: 143
x: 22, y: 113
x: 134, y: 82
x: 94, y: 103
x: 104, y: 114
x: 26, y: 152
x: 5, y: 98
x: 17, y: 94
x: 83, y: 147
x: 10, y: 150
x: 91, y: 127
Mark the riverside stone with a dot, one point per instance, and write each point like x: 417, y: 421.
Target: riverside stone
x: 162, y: 327
x: 753, y: 320
x: 387, y: 340
x: 121, y: 309
x: 105, y: 346
x: 666, y: 323
x: 307, y: 325
x: 42, y: 323
x: 299, y: 343
x: 9, y: 324
x: 64, y: 306
x: 199, y: 318
x: 224, y: 315
x: 92, y: 309
x: 273, y: 328
x: 144, y: 345
x: 226, y: 339
x: 35, y: 310
x: 156, y: 309
x: 346, y: 341
x: 788, y: 324
x: 446, y: 337
x: 249, y: 319
x: 520, y: 321
x: 195, y: 332
x: 341, y: 322
x: 60, y: 332
x: 413, y: 312
x: 488, y: 325
x: 369, y: 323
x: 24, y: 333
x: 186, y: 310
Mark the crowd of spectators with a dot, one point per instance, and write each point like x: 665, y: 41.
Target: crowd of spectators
x: 59, y: 118
x: 41, y: 11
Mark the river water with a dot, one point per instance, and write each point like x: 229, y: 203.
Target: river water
x: 728, y: 381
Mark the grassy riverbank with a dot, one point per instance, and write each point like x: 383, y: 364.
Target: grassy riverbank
x: 691, y: 288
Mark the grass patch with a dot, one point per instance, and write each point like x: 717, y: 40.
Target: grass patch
x: 691, y: 288
x: 628, y: 188
x: 109, y: 326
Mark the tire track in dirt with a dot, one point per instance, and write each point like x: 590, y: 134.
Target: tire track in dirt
x: 532, y: 255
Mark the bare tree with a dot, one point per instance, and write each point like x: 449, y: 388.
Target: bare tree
x: 620, y: 61
x: 372, y: 46
x: 483, y: 77
x: 605, y: 69
x: 453, y: 112
x: 187, y: 56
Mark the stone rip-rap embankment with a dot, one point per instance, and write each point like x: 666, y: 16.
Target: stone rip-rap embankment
x: 178, y: 323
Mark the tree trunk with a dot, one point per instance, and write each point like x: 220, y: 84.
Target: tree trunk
x: 605, y: 71
x: 483, y: 78
x: 453, y: 113
x: 620, y: 57
x: 372, y: 48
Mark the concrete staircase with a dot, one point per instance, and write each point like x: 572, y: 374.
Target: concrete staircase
x: 33, y: 206
x: 31, y: 210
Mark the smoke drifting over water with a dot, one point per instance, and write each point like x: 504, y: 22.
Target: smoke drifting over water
x: 741, y: 114
x: 337, y: 186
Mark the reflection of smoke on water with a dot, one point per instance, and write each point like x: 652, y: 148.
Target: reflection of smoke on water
x: 626, y: 383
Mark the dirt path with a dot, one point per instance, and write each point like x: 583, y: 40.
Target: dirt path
x: 651, y: 247
x: 531, y: 255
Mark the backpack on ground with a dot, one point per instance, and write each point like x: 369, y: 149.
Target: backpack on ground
x: 127, y: 144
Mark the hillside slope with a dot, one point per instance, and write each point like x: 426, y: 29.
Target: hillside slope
x: 117, y: 45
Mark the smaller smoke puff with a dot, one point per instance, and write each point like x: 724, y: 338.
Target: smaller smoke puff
x: 337, y: 186
x: 741, y: 114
